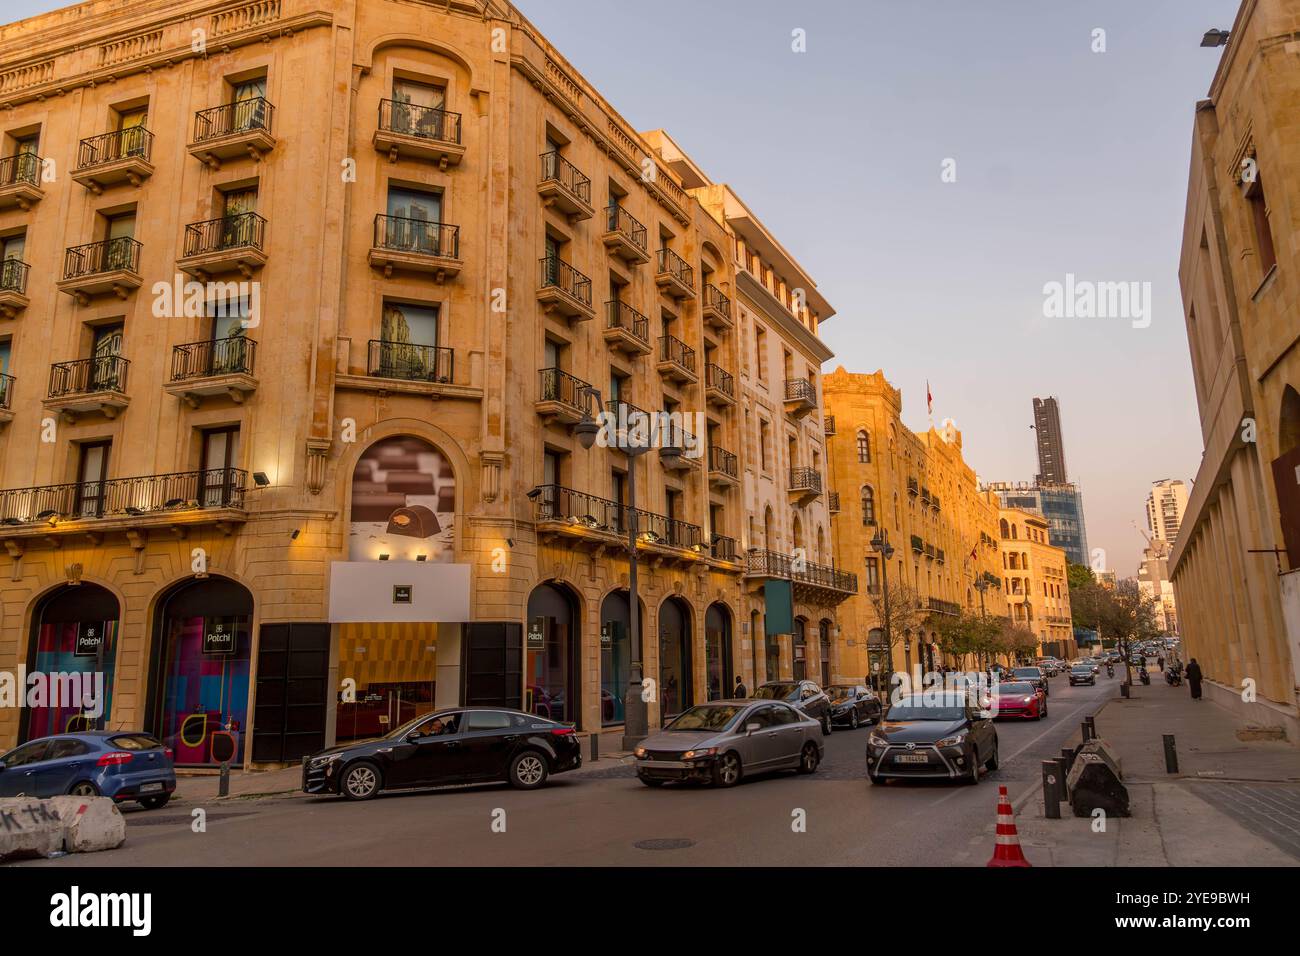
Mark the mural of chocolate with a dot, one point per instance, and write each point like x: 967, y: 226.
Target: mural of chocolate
x: 403, y: 503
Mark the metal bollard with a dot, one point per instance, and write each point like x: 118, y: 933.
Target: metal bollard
x: 1065, y: 777
x: 1086, y: 731
x: 1171, y: 754
x: 1051, y: 790
x: 223, y: 784
x: 1068, y: 756
x: 1092, y: 726
x: 595, y: 747
x: 1123, y: 689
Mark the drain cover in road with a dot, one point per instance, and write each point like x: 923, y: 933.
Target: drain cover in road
x: 673, y: 844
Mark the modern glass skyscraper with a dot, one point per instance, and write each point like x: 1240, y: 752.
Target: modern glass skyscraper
x: 1051, y: 445
x: 1060, y: 504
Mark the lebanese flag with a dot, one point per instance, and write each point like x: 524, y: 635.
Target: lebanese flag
x: 929, y: 399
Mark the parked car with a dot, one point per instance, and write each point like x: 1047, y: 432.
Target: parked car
x: 1034, y: 675
x: 1083, y: 674
x: 803, y: 694
x: 924, y: 737
x: 1019, y: 699
x: 724, y: 740
x: 124, y: 765
x: 853, y: 704
x: 461, y: 745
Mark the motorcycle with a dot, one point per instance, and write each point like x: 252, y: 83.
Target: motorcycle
x: 1173, y: 677
x: 1110, y: 670
x: 1145, y: 676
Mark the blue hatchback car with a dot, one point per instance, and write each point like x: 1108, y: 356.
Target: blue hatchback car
x: 122, y: 764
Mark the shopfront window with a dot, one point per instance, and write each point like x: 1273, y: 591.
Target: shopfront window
x: 674, y: 658
x: 75, y: 648
x: 615, y: 657
x: 717, y: 650
x: 551, y: 644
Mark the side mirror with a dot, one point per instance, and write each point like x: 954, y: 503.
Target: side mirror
x: 752, y: 726
x: 413, y: 736
x: 2, y: 765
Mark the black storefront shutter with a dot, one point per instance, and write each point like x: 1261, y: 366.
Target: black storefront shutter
x: 493, y: 664
x: 292, y: 692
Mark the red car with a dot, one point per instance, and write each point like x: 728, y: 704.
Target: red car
x: 1019, y: 699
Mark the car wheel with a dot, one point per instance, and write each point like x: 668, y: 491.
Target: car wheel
x: 155, y: 803
x: 361, y: 781
x: 826, y: 725
x: 84, y: 789
x: 727, y: 771
x: 993, y: 760
x: 528, y: 770
x: 973, y: 775
x: 650, y: 781
x: 853, y: 719
x: 809, y: 759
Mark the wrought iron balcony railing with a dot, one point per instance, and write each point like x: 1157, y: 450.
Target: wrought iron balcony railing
x: 913, y: 486
x: 776, y: 565
x: 108, y: 255
x: 6, y: 390
x: 13, y: 276
x: 124, y: 497
x: 559, y: 386
x: 623, y: 316
x: 806, y: 479
x: 719, y: 378
x: 558, y: 273
x: 134, y: 142
x: 105, y: 373
x: 425, y: 122
x: 828, y: 424
x: 723, y: 461
x: 715, y: 299
x: 410, y: 362
x: 800, y: 390
x: 943, y: 607
x: 579, y: 509
x: 228, y: 356
x: 723, y: 548
x: 675, y: 350
x: 833, y: 502
x: 556, y: 168
x: 228, y: 232
x: 618, y: 219
x: 917, y: 544
x: 229, y: 119
x: 670, y: 263
x: 20, y: 168
x: 420, y: 236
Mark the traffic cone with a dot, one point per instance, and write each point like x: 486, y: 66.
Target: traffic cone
x: 1006, y: 848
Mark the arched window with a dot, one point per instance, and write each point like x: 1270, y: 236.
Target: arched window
x: 864, y: 447
x: 1288, y: 425
x: 1002, y: 526
x: 868, y: 505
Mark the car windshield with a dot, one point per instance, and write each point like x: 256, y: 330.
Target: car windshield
x: 135, y: 742
x: 448, y: 719
x: 839, y: 691
x: 1020, y: 688
x: 705, y: 718
x: 774, y: 691
x: 1026, y: 672
x: 921, y: 708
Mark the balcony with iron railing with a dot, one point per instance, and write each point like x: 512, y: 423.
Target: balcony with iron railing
x: 828, y: 426
x: 582, y: 517
x: 833, y: 502
x: 913, y: 487
x: 816, y: 583
x: 88, y: 385
x: 724, y: 467
x: 936, y: 606
x: 110, y: 265
x: 561, y: 396
x: 805, y: 484
x: 625, y: 236
x: 564, y: 188
x: 717, y: 307
x: 13, y: 287
x: 213, y: 367
x: 408, y: 362
x: 719, y: 386
x: 416, y: 245
x: 679, y: 449
x: 233, y: 129
x: 925, y: 495
x: 20, y: 181
x: 674, y: 275
x: 176, y: 499
x: 800, y: 397
x: 676, y: 361
x: 564, y: 290
x: 934, y: 501
x: 723, y: 548
x: 233, y: 243
x: 626, y: 330
x: 419, y: 132
x: 6, y: 398
x: 918, y: 545
x: 122, y: 156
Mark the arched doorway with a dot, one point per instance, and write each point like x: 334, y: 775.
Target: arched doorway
x: 552, y: 644
x: 717, y: 652
x: 824, y: 635
x: 199, y: 679
x: 799, y: 649
x: 616, y: 655
x: 675, y: 690
x: 74, y: 631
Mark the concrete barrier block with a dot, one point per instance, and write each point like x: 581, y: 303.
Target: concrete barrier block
x: 29, y: 827
x: 90, y: 823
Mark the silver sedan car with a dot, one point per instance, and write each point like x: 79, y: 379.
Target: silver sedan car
x: 723, y: 740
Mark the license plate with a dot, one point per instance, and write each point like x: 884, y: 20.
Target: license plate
x: 150, y: 787
x: 911, y: 758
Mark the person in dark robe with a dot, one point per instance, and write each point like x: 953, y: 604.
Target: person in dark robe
x: 1194, y: 678
x: 740, y: 693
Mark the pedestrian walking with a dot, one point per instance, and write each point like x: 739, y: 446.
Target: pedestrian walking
x: 740, y: 692
x: 1194, y: 678
x: 1161, y: 661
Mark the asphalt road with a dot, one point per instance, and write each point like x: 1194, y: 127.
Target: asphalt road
x: 600, y: 816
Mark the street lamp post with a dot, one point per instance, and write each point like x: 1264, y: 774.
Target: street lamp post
x: 982, y: 585
x: 880, y: 544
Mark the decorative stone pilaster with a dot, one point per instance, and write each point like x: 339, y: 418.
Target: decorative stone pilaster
x: 491, y: 479
x: 318, y: 450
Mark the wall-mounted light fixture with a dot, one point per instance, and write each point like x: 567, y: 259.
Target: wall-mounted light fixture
x: 296, y: 532
x: 383, y: 557
x: 422, y: 557
x: 260, y: 479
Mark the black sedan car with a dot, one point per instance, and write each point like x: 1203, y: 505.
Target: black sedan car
x: 461, y: 745
x: 1034, y: 675
x: 944, y: 739
x: 853, y: 704
x: 804, y: 695
x: 1082, y: 674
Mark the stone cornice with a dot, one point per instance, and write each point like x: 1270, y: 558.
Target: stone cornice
x: 770, y: 306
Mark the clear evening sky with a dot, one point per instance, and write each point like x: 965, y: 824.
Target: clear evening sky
x: 1067, y: 161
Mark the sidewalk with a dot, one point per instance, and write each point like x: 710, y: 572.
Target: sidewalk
x: 1234, y: 802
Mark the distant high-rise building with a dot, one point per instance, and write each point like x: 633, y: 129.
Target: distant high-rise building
x: 1166, y: 505
x: 1061, y: 505
x: 1051, y: 446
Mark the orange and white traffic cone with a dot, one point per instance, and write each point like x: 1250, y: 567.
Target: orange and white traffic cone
x: 1006, y: 849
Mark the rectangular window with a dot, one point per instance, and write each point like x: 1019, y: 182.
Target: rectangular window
x: 220, y: 454
x: 1263, y: 234
x: 92, y: 472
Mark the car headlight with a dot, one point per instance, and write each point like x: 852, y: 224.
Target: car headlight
x: 702, y: 752
x: 955, y: 740
x: 877, y: 741
x: 318, y: 762
x: 641, y: 753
